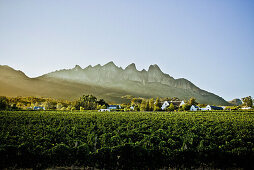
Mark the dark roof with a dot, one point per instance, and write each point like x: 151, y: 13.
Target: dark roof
x: 113, y: 105
x: 216, y: 108
x: 38, y: 107
x: 177, y: 103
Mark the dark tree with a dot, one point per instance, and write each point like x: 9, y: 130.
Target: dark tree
x: 89, y: 102
x: 4, y: 102
x: 247, y: 101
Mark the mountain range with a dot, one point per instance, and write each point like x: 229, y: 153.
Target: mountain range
x: 109, y: 82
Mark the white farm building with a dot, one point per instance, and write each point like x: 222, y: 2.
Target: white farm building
x: 175, y: 103
x: 194, y: 108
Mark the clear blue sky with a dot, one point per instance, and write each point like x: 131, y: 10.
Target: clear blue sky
x: 209, y: 42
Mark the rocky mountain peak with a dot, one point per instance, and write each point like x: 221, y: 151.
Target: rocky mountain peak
x: 154, y: 67
x: 97, y: 66
x: 151, y: 83
x: 132, y: 66
x: 110, y: 64
x: 77, y: 68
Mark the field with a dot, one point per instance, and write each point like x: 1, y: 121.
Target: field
x: 126, y: 140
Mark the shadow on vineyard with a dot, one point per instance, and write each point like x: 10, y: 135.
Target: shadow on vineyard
x: 126, y: 140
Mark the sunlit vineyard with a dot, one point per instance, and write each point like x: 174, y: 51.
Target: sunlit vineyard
x: 126, y: 140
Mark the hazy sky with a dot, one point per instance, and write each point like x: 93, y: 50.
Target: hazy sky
x: 209, y: 42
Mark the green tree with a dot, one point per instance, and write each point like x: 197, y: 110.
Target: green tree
x: 36, y: 104
x: 147, y: 105
x: 46, y: 105
x: 186, y: 106
x: 63, y: 108
x: 59, y: 106
x: 136, y: 101
x: 247, y: 101
x: 81, y: 108
x: 89, y: 102
x: 151, y: 104
x: 175, y: 99
x: 136, y: 107
x: 171, y: 107
x: 157, y: 104
x: 4, y: 102
x: 192, y: 101
x: 143, y: 105
x: 102, y: 102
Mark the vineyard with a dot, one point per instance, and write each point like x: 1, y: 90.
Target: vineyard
x: 126, y: 140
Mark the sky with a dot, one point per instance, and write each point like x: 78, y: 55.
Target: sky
x: 210, y: 43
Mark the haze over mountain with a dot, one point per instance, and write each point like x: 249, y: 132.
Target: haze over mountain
x: 108, y: 81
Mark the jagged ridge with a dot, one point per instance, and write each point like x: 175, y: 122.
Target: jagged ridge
x: 150, y: 83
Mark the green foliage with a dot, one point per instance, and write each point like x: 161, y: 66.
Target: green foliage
x: 143, y: 106
x: 81, y: 108
x: 102, y: 103
x: 46, y: 105
x: 192, y: 101
x: 157, y: 105
x: 186, y: 107
x: 247, y: 101
x: 89, y: 102
x: 171, y: 107
x: 73, y: 108
x: 61, y: 154
x: 4, y: 102
x: 63, y: 108
x: 127, y: 140
x: 151, y: 104
x: 136, y: 101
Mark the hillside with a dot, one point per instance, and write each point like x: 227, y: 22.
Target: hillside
x: 236, y: 102
x: 108, y: 81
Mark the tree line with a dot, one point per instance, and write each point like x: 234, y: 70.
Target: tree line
x: 90, y: 102
x: 142, y: 104
x: 86, y: 102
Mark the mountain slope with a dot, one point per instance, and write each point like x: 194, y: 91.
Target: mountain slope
x: 236, y: 102
x: 108, y: 81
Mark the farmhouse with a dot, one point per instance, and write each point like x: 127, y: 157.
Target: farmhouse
x: 246, y: 108
x: 114, y: 107
x: 104, y: 110
x: 175, y: 103
x: 208, y: 107
x: 194, y: 108
x: 39, y: 108
x: 132, y: 107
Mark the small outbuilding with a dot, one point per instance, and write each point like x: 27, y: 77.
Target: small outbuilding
x: 104, y: 110
x: 194, y: 108
x: 38, y: 108
x: 175, y: 103
x: 246, y: 108
x: 208, y: 107
x: 114, y: 107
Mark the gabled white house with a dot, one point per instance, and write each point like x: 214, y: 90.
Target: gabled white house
x: 175, y: 103
x: 132, y: 107
x: 208, y: 107
x: 182, y: 103
x: 38, y: 108
x: 246, y: 108
x: 203, y: 109
x: 114, y: 107
x: 194, y: 108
